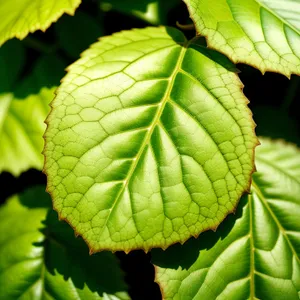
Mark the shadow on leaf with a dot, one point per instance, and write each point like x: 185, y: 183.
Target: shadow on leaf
x: 67, y: 258
x: 185, y: 255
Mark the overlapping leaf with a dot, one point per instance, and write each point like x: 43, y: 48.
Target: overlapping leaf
x: 254, y: 254
x: 41, y: 259
x: 149, y: 141
x: 18, y: 18
x: 262, y: 33
x: 24, y: 107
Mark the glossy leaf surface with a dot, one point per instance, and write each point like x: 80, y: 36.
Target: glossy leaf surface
x: 254, y: 254
x: 143, y: 149
x: 20, y: 17
x: 40, y: 258
x: 24, y: 107
x: 262, y: 33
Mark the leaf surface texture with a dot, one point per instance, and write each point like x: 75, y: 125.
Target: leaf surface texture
x: 143, y: 149
x: 262, y: 33
x: 40, y: 258
x: 254, y: 254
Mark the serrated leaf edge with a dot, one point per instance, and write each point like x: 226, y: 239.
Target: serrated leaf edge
x: 146, y: 250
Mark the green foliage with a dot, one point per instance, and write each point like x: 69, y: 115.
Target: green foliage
x: 262, y: 33
x: 149, y: 142
x: 23, y: 107
x: 255, y: 254
x: 167, y: 145
x: 40, y: 258
x: 18, y: 18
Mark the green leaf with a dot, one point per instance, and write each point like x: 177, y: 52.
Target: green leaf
x: 82, y: 25
x: 18, y: 18
x: 24, y: 107
x: 41, y: 259
x: 143, y: 149
x: 254, y: 254
x: 262, y: 33
x: 152, y: 11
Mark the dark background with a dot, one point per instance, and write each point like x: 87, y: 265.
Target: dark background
x: 273, y: 101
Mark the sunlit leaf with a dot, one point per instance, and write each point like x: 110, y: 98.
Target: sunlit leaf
x: 20, y: 17
x: 262, y: 33
x: 24, y: 107
x: 143, y: 149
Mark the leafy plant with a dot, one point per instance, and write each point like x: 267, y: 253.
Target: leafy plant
x: 254, y: 254
x: 149, y: 142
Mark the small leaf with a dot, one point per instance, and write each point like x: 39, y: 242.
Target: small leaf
x: 262, y: 33
x: 143, y: 149
x: 23, y: 108
x: 22, y: 17
x: 41, y: 259
x: 254, y: 254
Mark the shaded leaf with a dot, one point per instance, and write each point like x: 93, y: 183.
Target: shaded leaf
x: 41, y: 259
x: 24, y: 107
x: 254, y: 254
x: 143, y: 149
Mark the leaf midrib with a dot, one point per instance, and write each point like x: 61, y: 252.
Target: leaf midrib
x: 281, y: 229
x: 151, y: 129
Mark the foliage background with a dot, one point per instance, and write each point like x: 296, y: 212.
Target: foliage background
x: 272, y: 100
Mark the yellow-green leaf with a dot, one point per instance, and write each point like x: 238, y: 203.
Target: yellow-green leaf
x: 255, y: 254
x: 149, y: 141
x: 20, y: 17
x: 262, y: 33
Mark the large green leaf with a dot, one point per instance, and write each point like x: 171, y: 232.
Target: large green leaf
x: 254, y: 254
x: 41, y: 259
x: 20, y: 17
x: 262, y: 33
x: 143, y: 149
x: 24, y: 107
x: 152, y: 11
